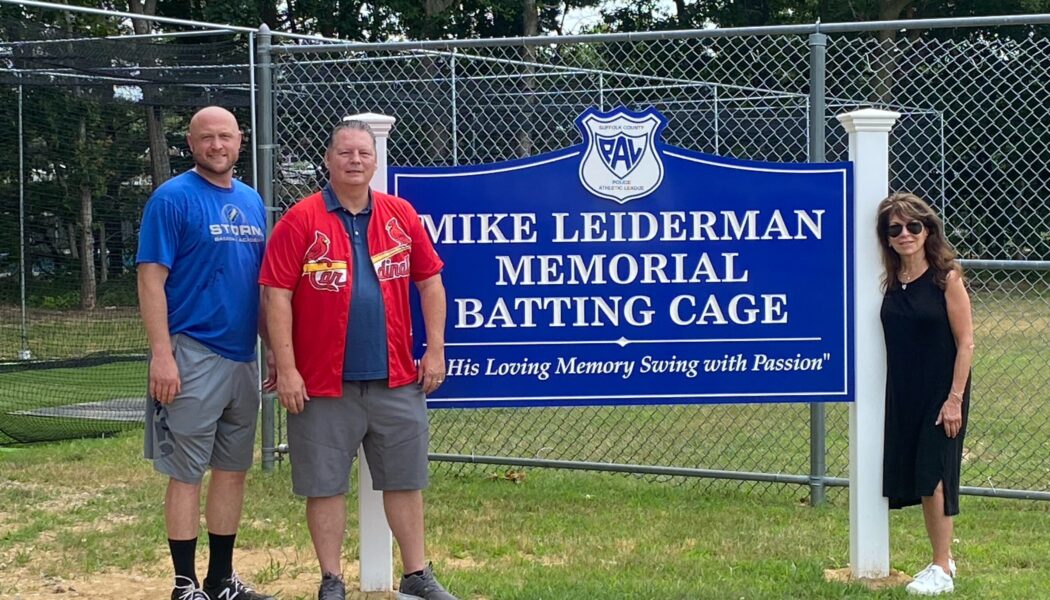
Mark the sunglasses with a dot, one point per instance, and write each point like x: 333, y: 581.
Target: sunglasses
x: 914, y: 228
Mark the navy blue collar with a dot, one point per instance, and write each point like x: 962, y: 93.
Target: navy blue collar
x: 331, y: 202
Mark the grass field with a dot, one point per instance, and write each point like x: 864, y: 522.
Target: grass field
x: 84, y: 518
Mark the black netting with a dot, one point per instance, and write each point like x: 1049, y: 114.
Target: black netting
x: 76, y: 168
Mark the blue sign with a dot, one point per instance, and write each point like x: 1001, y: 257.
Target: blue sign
x: 627, y: 271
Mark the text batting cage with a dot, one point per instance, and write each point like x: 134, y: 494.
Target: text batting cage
x: 75, y: 172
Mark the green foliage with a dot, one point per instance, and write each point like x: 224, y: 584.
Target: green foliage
x: 120, y: 291
x: 64, y: 292
x: 59, y: 301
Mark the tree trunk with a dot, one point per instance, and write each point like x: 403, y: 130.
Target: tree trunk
x: 679, y: 6
x: 87, y: 252
x: 268, y: 13
x: 71, y: 238
x: 886, y: 52
x: 127, y: 240
x: 438, y: 129
x: 290, y: 14
x: 530, y: 27
x: 103, y: 254
x: 160, y: 164
x: 87, y: 241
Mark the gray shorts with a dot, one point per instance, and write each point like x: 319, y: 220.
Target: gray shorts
x: 390, y: 423
x: 211, y: 421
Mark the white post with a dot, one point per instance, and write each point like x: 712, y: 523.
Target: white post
x: 869, y: 519
x: 377, y: 544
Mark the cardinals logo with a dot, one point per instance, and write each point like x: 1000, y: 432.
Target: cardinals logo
x: 325, y: 274
x: 386, y: 267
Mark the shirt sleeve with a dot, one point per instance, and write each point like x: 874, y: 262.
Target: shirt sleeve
x: 159, y: 234
x: 283, y: 261
x: 425, y: 262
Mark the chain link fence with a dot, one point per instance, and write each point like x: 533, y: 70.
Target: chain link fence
x: 972, y: 129
x: 971, y: 139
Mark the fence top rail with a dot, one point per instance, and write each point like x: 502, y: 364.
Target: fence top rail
x: 1006, y: 265
x: 947, y: 23
x: 128, y: 15
x: 211, y: 27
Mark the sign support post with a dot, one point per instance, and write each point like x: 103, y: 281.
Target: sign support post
x: 869, y: 543
x: 377, y: 544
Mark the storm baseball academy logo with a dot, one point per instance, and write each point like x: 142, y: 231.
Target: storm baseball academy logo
x: 325, y: 274
x: 386, y: 267
x: 235, y: 227
x: 620, y: 161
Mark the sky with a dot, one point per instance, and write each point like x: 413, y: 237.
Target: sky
x: 578, y: 20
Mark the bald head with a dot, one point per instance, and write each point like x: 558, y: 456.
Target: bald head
x: 215, y: 142
x: 211, y: 116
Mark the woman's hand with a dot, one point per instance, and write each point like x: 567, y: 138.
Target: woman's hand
x: 951, y: 416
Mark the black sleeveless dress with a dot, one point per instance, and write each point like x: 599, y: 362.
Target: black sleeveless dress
x: 920, y: 361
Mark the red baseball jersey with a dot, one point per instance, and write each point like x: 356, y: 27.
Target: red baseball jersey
x: 309, y: 253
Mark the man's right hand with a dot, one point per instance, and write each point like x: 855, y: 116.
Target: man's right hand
x: 164, y: 383
x: 291, y: 390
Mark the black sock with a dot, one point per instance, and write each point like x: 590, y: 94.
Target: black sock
x: 183, y: 553
x: 220, y: 561
x: 416, y: 573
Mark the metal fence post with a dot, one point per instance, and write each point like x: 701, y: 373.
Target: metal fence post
x: 23, y: 270
x: 455, y: 109
x: 817, y: 414
x: 264, y: 184
x: 718, y: 147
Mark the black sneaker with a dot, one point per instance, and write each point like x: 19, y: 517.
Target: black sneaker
x: 332, y: 588
x: 423, y: 587
x: 185, y: 589
x: 232, y: 588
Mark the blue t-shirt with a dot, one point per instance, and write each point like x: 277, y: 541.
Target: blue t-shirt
x: 365, y: 356
x: 211, y: 239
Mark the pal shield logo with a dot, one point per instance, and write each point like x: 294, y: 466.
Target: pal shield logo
x: 620, y: 161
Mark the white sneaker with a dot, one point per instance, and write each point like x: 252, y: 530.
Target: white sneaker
x: 931, y: 581
x: 951, y: 569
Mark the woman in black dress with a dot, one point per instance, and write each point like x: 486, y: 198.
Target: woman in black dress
x: 929, y: 348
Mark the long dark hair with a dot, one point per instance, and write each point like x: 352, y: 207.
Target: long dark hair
x: 939, y: 253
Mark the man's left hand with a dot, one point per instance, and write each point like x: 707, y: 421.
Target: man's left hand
x: 431, y: 371
x: 271, y: 372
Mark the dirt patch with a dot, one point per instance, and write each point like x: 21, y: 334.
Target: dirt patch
x: 895, y: 579
x: 285, y: 572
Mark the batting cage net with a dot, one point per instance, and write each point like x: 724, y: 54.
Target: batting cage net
x: 91, y: 126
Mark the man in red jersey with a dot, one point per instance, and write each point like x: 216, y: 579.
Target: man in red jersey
x: 336, y: 276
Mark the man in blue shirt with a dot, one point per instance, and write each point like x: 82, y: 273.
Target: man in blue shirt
x: 200, y: 249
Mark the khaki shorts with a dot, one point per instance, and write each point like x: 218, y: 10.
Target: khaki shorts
x: 212, y: 420
x: 391, y: 424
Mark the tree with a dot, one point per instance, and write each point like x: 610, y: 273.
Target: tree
x: 160, y: 166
